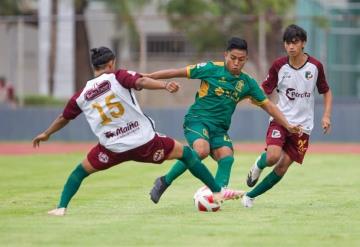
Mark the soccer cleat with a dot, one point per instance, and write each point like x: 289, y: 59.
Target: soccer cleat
x: 227, y: 194
x: 57, y: 212
x: 254, y: 174
x: 159, y: 188
x: 247, y: 202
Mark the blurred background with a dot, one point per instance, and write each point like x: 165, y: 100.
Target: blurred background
x: 44, y: 56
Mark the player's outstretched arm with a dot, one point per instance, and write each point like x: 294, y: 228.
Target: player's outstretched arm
x: 58, y: 124
x: 168, y: 74
x: 274, y: 111
x: 326, y: 119
x: 149, y: 83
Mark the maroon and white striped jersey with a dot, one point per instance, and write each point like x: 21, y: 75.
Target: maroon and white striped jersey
x: 112, y: 111
x: 295, y: 89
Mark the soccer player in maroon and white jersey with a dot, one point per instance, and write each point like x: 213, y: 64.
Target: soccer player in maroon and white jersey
x: 124, y: 131
x: 292, y: 81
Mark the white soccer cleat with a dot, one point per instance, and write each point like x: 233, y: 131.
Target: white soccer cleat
x: 254, y: 174
x: 57, y: 212
x: 247, y: 202
x: 227, y: 194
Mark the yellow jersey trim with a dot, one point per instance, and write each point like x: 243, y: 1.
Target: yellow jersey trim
x: 188, y: 71
x: 222, y: 64
x: 255, y: 102
x: 194, y: 131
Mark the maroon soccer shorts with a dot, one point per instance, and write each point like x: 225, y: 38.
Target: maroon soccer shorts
x: 293, y: 144
x: 155, y: 151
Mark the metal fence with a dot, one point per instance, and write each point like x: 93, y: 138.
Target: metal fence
x: 248, y: 124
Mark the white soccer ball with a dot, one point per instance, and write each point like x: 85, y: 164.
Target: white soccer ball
x: 204, y: 200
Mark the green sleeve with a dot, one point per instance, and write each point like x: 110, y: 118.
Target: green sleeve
x: 256, y: 94
x: 200, y: 70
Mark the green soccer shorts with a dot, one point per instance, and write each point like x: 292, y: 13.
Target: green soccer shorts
x: 217, y: 137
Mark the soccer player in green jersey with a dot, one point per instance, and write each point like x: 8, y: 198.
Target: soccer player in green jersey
x: 223, y: 85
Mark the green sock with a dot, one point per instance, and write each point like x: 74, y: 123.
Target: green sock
x: 223, y: 172
x: 198, y: 169
x: 267, y: 183
x: 261, y: 163
x: 176, y: 170
x: 72, y: 185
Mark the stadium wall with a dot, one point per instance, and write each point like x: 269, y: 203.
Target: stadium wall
x: 248, y: 124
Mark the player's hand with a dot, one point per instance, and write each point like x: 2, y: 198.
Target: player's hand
x: 43, y: 137
x: 295, y: 129
x: 172, y: 86
x: 326, y: 124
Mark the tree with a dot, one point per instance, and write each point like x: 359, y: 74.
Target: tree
x: 82, y: 54
x: 125, y: 11
x: 53, y: 42
x: 23, y: 8
x: 9, y: 7
x: 209, y: 23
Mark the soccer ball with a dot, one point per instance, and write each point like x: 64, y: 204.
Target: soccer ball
x: 204, y: 201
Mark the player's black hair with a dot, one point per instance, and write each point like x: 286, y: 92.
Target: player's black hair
x: 101, y: 56
x: 236, y: 43
x: 294, y: 32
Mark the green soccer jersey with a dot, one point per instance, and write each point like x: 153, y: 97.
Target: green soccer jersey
x: 219, y: 93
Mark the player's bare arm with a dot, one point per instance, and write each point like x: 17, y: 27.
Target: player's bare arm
x: 274, y: 111
x: 326, y: 119
x: 149, y: 83
x: 58, y: 124
x: 168, y: 73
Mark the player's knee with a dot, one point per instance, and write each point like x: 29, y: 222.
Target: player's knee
x: 202, y: 153
x: 202, y: 148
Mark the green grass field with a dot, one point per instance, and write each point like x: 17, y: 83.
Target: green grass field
x: 317, y: 204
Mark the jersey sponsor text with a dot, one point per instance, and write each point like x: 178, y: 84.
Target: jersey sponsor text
x: 292, y: 94
x: 124, y: 130
x: 97, y: 90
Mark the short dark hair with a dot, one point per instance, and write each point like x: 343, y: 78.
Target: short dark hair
x: 101, y: 56
x: 294, y: 32
x: 236, y: 43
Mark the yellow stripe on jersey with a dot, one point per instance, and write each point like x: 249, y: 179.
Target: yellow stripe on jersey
x: 219, y: 63
x: 194, y: 131
x: 204, y: 88
x: 188, y: 68
x: 255, y: 102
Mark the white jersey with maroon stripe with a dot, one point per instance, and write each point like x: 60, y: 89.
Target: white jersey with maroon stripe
x: 295, y: 89
x: 111, y: 109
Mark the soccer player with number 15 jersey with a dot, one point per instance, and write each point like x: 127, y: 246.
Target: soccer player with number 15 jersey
x: 124, y: 131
